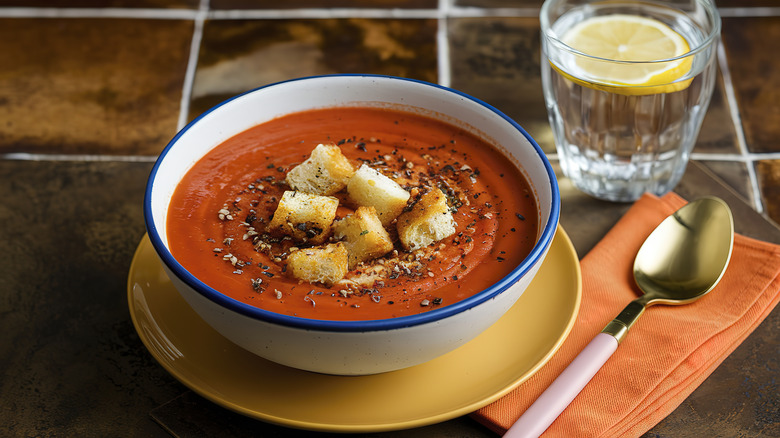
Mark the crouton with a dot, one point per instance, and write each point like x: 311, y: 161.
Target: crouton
x: 321, y: 264
x: 304, y: 217
x: 363, y: 236
x: 429, y: 220
x: 325, y: 172
x: 368, y: 187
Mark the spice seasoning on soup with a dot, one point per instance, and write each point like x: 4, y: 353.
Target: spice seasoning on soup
x: 224, y: 227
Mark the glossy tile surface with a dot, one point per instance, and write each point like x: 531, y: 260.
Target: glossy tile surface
x: 64, y: 316
x: 496, y: 59
x: 753, y: 62
x: 239, y: 55
x: 769, y: 185
x: 718, y: 133
x: 91, y: 85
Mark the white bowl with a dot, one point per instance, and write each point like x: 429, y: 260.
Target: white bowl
x: 349, y: 347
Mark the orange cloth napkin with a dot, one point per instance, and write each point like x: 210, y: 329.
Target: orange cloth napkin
x: 667, y: 353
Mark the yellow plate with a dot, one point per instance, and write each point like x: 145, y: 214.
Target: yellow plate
x: 452, y: 385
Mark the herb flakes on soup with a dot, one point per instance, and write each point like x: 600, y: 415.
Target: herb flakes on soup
x: 352, y: 213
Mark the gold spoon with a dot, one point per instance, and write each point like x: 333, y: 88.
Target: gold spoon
x: 681, y: 260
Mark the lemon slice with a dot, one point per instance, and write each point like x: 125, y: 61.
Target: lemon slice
x: 640, y: 44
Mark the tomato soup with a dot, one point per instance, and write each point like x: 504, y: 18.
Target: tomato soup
x: 219, y: 212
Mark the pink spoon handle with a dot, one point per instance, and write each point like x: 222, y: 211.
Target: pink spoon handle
x: 562, y: 391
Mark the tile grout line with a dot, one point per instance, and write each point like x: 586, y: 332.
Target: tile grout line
x: 136, y: 13
x: 319, y: 13
x: 749, y: 11
x: 192, y: 14
x: 743, y: 158
x: 450, y: 10
x: 477, y: 12
x: 736, y: 118
x: 232, y: 14
x: 192, y: 64
x: 703, y: 156
x: 257, y: 14
x: 25, y: 156
x: 444, y: 66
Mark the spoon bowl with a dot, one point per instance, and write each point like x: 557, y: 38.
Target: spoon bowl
x: 681, y: 260
x: 687, y: 254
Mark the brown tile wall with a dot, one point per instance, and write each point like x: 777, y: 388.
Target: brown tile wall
x: 236, y: 56
x: 109, y: 86
x: 91, y: 86
x: 750, y: 44
x: 496, y: 59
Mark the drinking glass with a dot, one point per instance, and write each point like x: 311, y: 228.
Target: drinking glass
x: 616, y: 141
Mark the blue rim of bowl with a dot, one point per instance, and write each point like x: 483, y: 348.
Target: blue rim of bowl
x: 364, y: 325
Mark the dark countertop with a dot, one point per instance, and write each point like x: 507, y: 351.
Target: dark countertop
x: 91, y: 93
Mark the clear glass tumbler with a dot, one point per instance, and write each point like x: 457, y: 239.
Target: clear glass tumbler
x: 617, y: 140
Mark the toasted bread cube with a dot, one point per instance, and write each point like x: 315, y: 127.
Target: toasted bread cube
x: 325, y: 172
x: 429, y: 220
x: 321, y: 264
x: 303, y: 216
x: 363, y: 235
x: 368, y: 187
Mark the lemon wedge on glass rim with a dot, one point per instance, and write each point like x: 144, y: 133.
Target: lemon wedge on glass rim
x: 644, y: 48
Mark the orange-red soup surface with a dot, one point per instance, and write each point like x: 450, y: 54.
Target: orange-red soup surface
x: 493, y: 206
